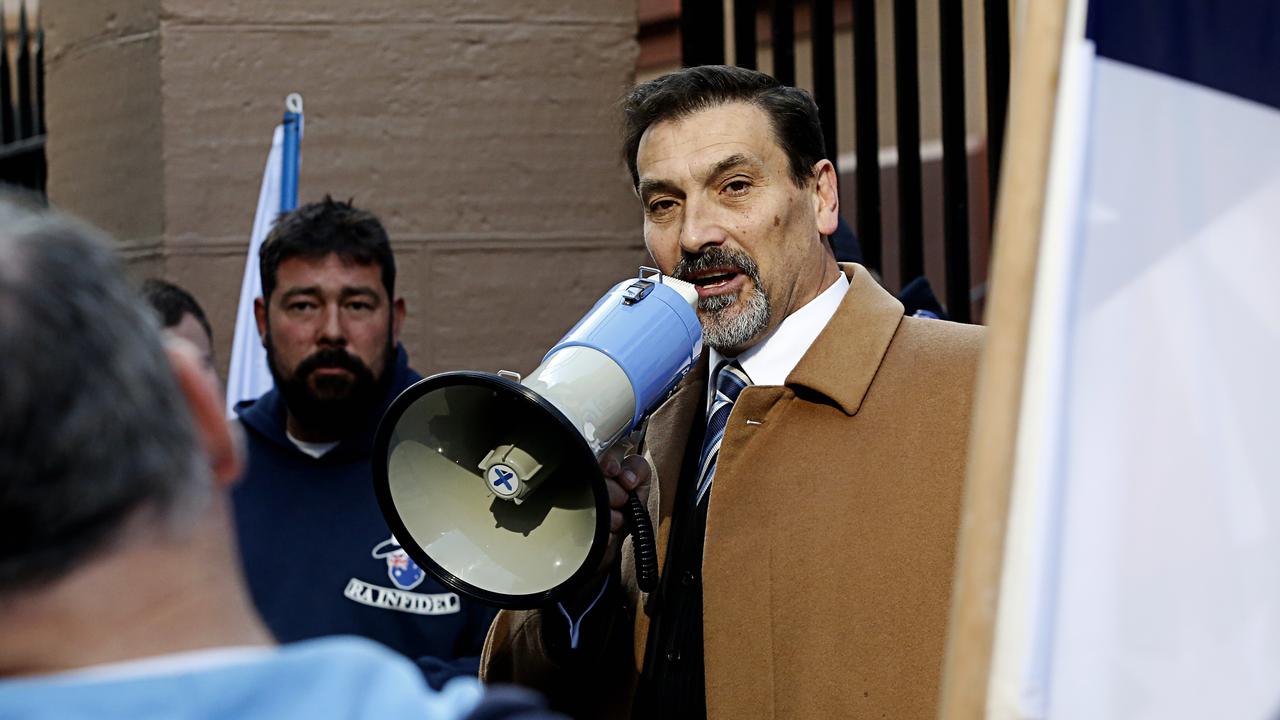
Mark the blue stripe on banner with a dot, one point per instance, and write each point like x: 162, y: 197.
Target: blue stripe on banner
x: 1228, y: 45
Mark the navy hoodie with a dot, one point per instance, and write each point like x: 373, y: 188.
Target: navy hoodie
x: 319, y: 557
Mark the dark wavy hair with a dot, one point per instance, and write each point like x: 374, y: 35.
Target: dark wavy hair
x: 172, y: 302
x: 792, y: 112
x: 323, y: 228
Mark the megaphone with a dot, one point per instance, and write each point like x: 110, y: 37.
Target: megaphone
x: 492, y: 482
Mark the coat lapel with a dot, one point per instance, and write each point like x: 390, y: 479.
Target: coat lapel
x: 846, y: 355
x: 665, y: 437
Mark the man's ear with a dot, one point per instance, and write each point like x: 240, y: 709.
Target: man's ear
x: 826, y: 197
x: 221, y: 444
x: 398, y: 311
x: 260, y: 318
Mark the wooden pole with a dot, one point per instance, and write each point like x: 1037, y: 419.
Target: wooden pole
x: 1019, y: 218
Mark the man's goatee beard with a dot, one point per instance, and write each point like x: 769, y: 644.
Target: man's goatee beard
x: 722, y: 328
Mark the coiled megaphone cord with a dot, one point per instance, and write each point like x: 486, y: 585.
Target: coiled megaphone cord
x: 646, y: 549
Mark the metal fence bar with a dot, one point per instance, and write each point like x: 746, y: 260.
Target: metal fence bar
x: 40, y: 126
x: 823, y: 35
x: 783, y: 41
x: 955, y: 158
x: 703, y: 27
x: 8, y: 115
x: 26, y: 101
x: 906, y: 76
x: 19, y: 150
x: 866, y: 112
x: 744, y: 33
x: 22, y: 139
x: 701, y: 32
x: 995, y: 19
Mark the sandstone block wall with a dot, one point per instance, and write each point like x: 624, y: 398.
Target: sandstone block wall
x: 483, y: 132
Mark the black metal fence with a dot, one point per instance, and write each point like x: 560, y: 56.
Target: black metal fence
x: 22, y: 129
x: 702, y: 26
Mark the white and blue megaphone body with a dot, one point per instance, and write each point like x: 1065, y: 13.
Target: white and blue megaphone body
x: 491, y: 482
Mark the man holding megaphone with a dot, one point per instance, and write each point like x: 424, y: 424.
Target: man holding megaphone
x: 804, y: 478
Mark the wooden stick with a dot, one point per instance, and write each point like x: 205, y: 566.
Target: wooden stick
x: 1019, y: 217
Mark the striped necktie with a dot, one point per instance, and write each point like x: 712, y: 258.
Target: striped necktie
x: 730, y: 381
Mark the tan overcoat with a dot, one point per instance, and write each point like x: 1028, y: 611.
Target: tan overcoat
x: 830, y: 534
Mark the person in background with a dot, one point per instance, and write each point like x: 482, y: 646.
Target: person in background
x: 318, y: 554
x: 121, y: 594
x: 181, y: 315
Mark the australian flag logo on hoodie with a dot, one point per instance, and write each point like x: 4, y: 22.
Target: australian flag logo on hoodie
x: 402, y: 570
x: 405, y: 575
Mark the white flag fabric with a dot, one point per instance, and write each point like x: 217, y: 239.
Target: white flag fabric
x: 249, y: 377
x: 1141, y: 579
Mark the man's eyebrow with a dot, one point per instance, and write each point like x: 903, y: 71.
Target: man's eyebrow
x: 314, y: 292
x: 352, y: 291
x: 649, y: 187
x: 295, y: 292
x: 730, y: 163
x: 737, y: 160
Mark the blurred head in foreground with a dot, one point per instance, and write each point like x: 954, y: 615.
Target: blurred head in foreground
x: 114, y: 459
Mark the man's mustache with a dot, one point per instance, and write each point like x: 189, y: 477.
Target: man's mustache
x: 714, y: 258
x: 331, y: 358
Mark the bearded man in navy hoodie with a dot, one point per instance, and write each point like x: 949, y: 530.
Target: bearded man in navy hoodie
x: 317, y: 552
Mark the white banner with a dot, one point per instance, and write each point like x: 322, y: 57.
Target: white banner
x: 248, y: 376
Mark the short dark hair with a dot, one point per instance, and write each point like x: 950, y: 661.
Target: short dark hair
x: 792, y: 112
x: 93, y: 426
x: 172, y: 302
x: 323, y: 228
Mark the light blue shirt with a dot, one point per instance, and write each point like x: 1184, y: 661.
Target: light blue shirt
x: 341, y: 677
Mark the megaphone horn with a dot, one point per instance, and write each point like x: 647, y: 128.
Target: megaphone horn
x: 492, y: 483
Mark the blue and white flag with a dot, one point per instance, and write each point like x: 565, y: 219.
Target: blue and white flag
x: 1142, y: 577
x: 248, y: 376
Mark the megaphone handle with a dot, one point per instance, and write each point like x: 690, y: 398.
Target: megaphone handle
x: 646, y: 550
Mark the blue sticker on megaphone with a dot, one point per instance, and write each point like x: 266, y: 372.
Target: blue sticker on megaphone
x: 503, y: 480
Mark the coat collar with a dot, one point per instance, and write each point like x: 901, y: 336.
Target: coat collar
x: 840, y: 364
x: 844, y: 359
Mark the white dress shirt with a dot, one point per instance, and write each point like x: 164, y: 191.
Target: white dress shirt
x: 772, y: 359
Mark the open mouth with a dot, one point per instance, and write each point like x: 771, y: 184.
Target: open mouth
x: 717, y: 281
